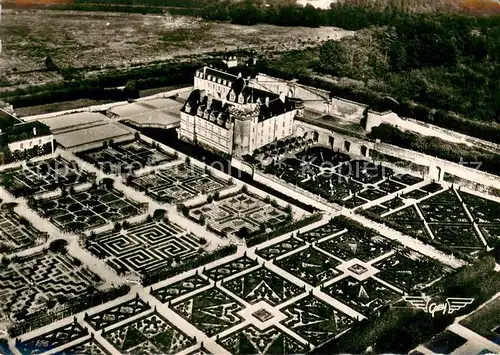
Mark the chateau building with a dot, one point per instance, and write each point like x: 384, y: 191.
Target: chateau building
x: 228, y: 114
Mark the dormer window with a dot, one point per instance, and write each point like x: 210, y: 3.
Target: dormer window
x: 218, y: 80
x: 187, y: 108
x: 241, y: 99
x: 232, y: 96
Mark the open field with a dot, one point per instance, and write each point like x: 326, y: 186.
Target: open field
x: 108, y: 40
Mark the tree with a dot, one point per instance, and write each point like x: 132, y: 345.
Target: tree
x: 243, y: 233
x: 130, y: 90
x: 159, y: 214
x: 58, y: 246
x: 332, y: 57
x: 49, y: 64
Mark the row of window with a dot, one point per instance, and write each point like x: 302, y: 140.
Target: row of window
x: 31, y: 144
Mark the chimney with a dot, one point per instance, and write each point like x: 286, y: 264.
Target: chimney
x: 267, y: 101
x: 209, y: 100
x: 34, y: 131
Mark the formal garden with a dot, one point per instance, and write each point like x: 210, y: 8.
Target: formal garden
x: 42, y: 282
x: 43, y: 176
x: 76, y: 211
x: 16, y: 232
x: 145, y: 246
x: 335, y: 177
x: 126, y: 157
x: 241, y: 214
x: 447, y: 217
x: 178, y: 183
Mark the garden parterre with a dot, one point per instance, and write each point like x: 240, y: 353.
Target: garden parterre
x: 78, y: 211
x: 454, y: 218
x: 178, y: 183
x: 335, y: 177
x: 43, y: 176
x: 230, y: 214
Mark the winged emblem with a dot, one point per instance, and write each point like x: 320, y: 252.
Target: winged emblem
x: 455, y: 304
x: 451, y: 305
x: 419, y: 302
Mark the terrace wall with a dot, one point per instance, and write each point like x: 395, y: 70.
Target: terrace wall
x: 362, y: 148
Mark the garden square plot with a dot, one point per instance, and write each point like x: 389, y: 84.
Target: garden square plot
x: 263, y: 285
x: 145, y: 246
x: 491, y: 232
x: 483, y: 211
x: 151, y: 334
x: 211, y: 311
x: 78, y: 211
x: 310, y: 265
x: 407, y: 179
x: 320, y: 232
x: 443, y: 207
x: 366, y: 296
x: 16, y: 233
x: 457, y: 236
x: 315, y: 320
x: 230, y: 268
x: 280, y: 248
x: 407, y: 220
x: 390, y: 186
x: 364, y: 171
x: 28, y: 285
x: 372, y: 194
x: 116, y: 314
x: 228, y: 215
x: 322, y: 157
x: 409, y: 271
x: 53, y: 339
x: 126, y: 156
x: 251, y: 340
x: 179, y: 288
x: 178, y: 183
x: 90, y: 346
x: 42, y: 176
x: 357, y: 244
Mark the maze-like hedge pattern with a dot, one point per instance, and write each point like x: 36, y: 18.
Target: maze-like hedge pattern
x: 28, y: 284
x: 178, y: 183
x: 145, y: 247
x: 43, y: 176
x: 16, y: 233
x: 116, y: 314
x: 126, y: 157
x: 229, y: 215
x: 78, y: 211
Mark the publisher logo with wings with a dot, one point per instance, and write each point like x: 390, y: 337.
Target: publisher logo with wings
x: 452, y: 304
